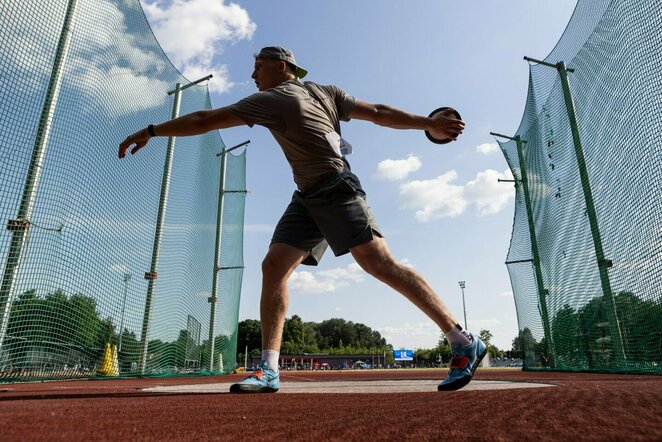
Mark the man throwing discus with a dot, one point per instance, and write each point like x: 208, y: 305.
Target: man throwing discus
x: 329, y: 206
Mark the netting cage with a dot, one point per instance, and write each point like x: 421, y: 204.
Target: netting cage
x: 585, y: 259
x: 108, y: 265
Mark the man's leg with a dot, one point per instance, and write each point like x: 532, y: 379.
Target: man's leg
x: 467, y: 349
x: 278, y: 265
x: 376, y: 259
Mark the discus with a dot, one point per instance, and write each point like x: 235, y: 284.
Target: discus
x: 438, y: 139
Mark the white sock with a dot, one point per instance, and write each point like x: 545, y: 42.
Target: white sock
x: 458, y: 336
x: 271, y: 356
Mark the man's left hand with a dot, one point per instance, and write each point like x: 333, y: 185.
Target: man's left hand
x: 139, y: 139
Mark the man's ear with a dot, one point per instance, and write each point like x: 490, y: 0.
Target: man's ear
x: 282, y: 67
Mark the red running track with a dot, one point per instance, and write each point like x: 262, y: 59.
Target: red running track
x: 581, y: 407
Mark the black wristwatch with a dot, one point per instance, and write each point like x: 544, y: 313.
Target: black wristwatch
x: 150, y: 130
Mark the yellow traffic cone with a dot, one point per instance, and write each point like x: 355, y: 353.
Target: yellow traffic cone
x: 106, y: 361
x: 115, y: 366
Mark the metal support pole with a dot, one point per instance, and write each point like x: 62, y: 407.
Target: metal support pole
x: 160, y: 219
x: 127, y: 277
x: 163, y: 202
x: 542, y: 292
x: 213, y: 299
x: 602, y: 262
x: 21, y: 225
x: 463, y: 284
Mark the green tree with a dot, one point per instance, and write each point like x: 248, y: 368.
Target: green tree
x: 529, y: 345
x: 486, y: 337
x: 57, y: 323
x: 517, y: 350
x: 299, y: 337
x: 84, y: 321
x: 443, y: 350
x: 641, y: 327
x: 249, y: 333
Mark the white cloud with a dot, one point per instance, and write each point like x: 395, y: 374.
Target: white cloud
x: 487, y: 148
x: 396, y: 170
x: 438, y: 198
x: 479, y: 324
x: 117, y: 101
x: 259, y: 228
x: 435, y: 198
x: 326, y: 281
x: 193, y: 33
x: 98, y: 65
x: 487, y: 193
x: 219, y: 83
x: 411, y: 336
x: 508, y: 294
x: 119, y: 268
x: 202, y: 295
x: 407, y: 262
x: 538, y: 187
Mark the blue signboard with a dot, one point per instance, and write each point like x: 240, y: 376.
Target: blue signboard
x: 403, y: 355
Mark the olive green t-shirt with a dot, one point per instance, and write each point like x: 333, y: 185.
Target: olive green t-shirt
x: 300, y: 116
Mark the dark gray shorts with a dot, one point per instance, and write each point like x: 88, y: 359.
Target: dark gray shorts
x: 332, y: 213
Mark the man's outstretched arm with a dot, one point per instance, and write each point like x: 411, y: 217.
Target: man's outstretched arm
x: 388, y: 116
x: 194, y: 123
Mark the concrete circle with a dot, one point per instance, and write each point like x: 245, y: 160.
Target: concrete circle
x: 399, y: 386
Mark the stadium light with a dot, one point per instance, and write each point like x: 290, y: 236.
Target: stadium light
x: 463, y: 284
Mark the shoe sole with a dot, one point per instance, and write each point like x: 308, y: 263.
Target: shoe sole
x: 462, y: 382
x: 237, y: 388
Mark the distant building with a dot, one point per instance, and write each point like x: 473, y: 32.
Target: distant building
x: 324, y: 361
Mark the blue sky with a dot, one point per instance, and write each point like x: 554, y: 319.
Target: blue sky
x: 440, y: 207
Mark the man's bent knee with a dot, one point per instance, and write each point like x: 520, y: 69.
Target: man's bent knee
x: 281, y: 260
x: 375, y: 258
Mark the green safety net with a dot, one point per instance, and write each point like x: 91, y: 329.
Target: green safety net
x: 79, y: 226
x: 585, y: 259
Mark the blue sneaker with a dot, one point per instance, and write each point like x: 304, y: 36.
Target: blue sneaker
x: 262, y: 380
x: 463, y: 364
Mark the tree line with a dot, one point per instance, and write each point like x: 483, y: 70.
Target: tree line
x: 57, y: 330
x: 71, y: 327
x: 582, y: 338
x: 339, y: 336
x: 335, y: 335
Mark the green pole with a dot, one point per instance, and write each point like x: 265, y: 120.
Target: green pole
x: 21, y: 225
x: 603, y: 264
x: 213, y: 299
x: 542, y: 292
x: 163, y: 202
x: 160, y: 219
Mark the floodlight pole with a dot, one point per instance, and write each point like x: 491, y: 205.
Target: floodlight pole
x: 21, y: 225
x: 213, y: 299
x: 463, y: 284
x: 160, y: 220
x: 542, y: 291
x: 603, y: 263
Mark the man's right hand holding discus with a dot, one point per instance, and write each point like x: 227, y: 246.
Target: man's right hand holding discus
x: 446, y: 125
